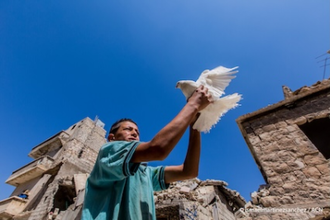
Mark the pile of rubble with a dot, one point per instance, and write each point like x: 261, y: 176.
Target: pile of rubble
x: 202, y: 199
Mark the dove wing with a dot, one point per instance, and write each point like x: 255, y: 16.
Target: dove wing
x: 211, y: 115
x: 217, y: 79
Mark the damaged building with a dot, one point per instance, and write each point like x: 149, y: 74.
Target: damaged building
x: 52, y: 186
x: 290, y: 143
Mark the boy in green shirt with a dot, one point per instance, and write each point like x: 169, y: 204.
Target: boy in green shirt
x: 121, y: 186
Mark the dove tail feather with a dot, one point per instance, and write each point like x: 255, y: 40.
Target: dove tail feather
x: 211, y: 115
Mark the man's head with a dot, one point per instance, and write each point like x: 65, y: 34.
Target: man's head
x: 124, y: 129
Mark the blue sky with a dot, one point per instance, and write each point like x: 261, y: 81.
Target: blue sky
x: 62, y: 61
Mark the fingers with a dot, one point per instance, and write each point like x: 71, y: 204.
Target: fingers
x: 205, y: 91
x: 202, y: 89
x: 200, y: 98
x: 205, y: 88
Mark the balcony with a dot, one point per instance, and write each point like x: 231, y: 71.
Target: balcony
x: 30, y: 171
x: 11, y: 206
x: 49, y: 146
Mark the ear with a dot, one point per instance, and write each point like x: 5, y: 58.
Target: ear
x: 111, y: 137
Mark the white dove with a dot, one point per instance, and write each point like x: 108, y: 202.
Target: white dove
x: 216, y: 81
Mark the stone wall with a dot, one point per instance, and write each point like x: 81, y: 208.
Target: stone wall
x: 296, y: 172
x: 77, y: 157
x: 58, y: 185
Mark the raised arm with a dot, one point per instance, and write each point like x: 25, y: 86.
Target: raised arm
x: 166, y: 139
x: 189, y: 169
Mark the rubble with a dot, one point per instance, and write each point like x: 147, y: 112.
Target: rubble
x: 206, y: 198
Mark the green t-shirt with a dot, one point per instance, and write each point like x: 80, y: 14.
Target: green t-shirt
x: 119, y: 189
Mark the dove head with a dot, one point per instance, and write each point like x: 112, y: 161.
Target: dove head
x: 178, y: 85
x: 182, y: 84
x: 187, y: 87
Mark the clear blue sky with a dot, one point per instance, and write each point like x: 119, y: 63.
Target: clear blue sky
x: 62, y: 61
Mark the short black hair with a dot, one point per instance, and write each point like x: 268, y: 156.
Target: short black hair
x: 115, y: 126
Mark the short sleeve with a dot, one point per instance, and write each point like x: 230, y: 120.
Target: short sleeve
x: 157, y: 175
x: 113, y: 162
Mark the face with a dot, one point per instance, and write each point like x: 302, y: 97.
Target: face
x: 127, y: 131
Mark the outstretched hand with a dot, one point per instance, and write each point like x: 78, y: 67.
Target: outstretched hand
x: 200, y: 98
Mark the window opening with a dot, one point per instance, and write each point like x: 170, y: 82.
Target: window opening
x: 318, y: 132
x: 64, y: 197
x: 52, y: 152
x: 80, y: 153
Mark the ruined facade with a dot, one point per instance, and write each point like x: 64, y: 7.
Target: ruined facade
x: 52, y: 186
x: 290, y: 143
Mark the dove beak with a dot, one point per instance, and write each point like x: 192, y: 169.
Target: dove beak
x: 177, y: 85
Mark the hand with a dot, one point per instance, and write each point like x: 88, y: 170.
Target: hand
x: 200, y: 98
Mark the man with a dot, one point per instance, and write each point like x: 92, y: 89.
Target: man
x: 120, y: 186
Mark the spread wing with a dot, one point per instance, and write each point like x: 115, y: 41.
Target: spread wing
x: 217, y: 79
x: 211, y: 115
